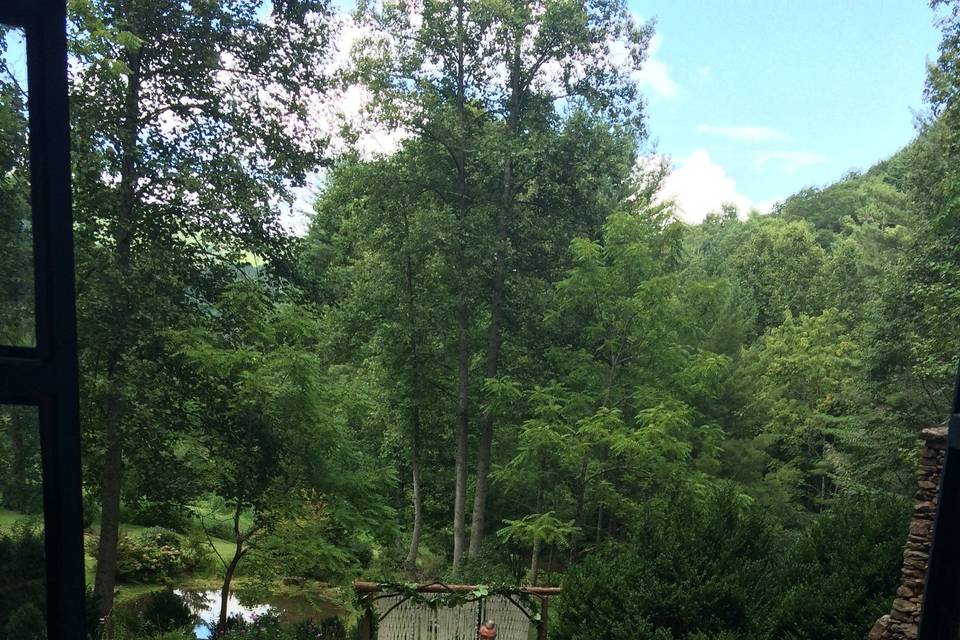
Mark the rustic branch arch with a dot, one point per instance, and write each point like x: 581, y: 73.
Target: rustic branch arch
x: 439, y: 611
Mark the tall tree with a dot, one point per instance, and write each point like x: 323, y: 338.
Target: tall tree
x: 394, y: 300
x: 190, y: 122
x: 273, y: 445
x: 547, y: 51
x: 484, y: 83
x: 426, y: 70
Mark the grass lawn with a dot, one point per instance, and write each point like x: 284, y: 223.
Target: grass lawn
x: 127, y: 591
x: 9, y: 518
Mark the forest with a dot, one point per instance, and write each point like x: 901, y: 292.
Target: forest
x: 495, y: 356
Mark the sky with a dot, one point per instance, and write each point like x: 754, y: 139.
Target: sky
x: 755, y: 100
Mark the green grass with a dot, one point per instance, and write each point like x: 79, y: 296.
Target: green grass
x: 9, y: 518
x: 127, y: 591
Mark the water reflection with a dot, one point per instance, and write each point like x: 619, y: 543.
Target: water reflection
x: 206, y: 606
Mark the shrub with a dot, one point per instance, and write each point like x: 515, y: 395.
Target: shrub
x: 22, y: 577
x: 494, y: 563
x: 329, y: 629
x: 197, y: 555
x: 153, y: 614
x: 692, y: 566
x: 841, y: 573
x: 154, y: 556
x: 220, y: 528
x: 161, y: 537
x: 155, y: 513
x: 25, y: 498
x: 268, y: 627
x: 263, y: 627
x: 26, y: 623
x: 173, y: 635
x: 91, y: 509
x: 167, y: 611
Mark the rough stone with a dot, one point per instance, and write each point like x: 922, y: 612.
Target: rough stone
x: 903, y: 620
x: 880, y: 628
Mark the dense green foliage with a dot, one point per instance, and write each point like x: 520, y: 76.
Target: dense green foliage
x: 716, y: 566
x: 693, y: 566
x: 23, y: 592
x: 496, y: 354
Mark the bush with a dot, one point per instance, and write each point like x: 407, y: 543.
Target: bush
x: 22, y: 577
x: 157, y: 614
x: 841, y: 574
x: 197, y: 555
x: 263, y: 627
x: 91, y: 509
x: 268, y: 627
x: 219, y: 528
x: 160, y: 537
x: 26, y: 623
x: 329, y: 629
x: 693, y: 567
x: 167, y: 611
x: 158, y: 554
x: 153, y: 513
x: 494, y: 563
x: 173, y: 635
x: 154, y: 556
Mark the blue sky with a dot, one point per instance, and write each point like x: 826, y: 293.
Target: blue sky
x: 754, y: 100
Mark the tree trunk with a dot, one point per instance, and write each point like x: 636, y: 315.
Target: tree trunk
x: 413, y: 338
x: 485, y: 452
x: 535, y: 552
x: 105, y: 578
x: 411, y: 560
x: 231, y: 568
x: 581, y: 498
x: 599, y: 523
x: 225, y: 590
x: 462, y: 314
x: 460, y: 498
x: 113, y: 415
x: 535, y: 562
x: 497, y: 297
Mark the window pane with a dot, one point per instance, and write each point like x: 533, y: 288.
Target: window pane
x: 22, y: 569
x: 17, y: 322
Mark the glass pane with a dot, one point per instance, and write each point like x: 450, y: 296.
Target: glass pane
x: 22, y: 569
x: 17, y: 321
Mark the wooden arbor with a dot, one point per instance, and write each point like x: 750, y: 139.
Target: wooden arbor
x: 380, y: 600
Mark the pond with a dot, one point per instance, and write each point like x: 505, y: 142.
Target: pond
x: 291, y: 609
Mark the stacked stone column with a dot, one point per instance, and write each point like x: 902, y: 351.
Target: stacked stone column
x: 904, y: 617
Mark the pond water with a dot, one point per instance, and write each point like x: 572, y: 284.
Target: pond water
x: 292, y: 609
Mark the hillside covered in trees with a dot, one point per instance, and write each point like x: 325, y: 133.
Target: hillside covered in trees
x: 496, y: 355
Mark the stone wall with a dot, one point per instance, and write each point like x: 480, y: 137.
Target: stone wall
x: 904, y: 617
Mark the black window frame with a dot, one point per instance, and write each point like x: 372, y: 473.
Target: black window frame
x: 46, y: 376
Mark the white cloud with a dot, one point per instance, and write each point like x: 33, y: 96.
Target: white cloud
x: 766, y: 206
x: 789, y: 161
x: 743, y: 133
x: 655, y: 75
x: 698, y: 186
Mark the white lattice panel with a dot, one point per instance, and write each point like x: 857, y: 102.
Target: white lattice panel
x: 457, y: 623
x: 512, y: 624
x: 410, y: 621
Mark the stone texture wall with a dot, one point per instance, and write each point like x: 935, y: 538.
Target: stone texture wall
x: 904, y: 617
